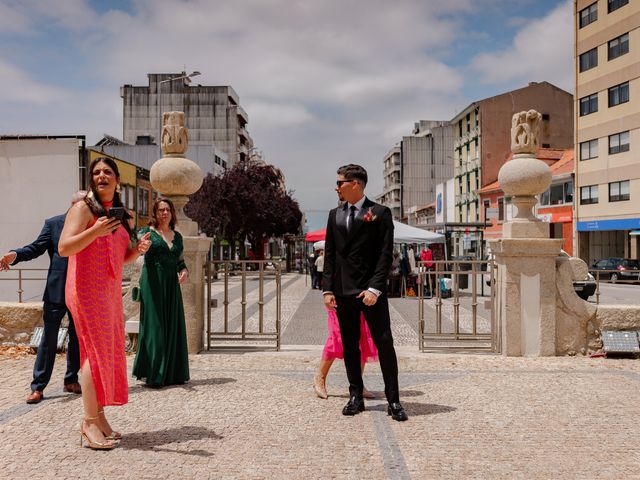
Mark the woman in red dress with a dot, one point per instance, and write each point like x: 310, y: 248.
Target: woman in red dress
x: 333, y: 349
x: 98, y: 246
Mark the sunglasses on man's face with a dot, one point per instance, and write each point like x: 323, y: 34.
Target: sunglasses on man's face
x: 340, y: 182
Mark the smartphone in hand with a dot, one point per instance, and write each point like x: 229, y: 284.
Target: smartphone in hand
x: 117, y: 212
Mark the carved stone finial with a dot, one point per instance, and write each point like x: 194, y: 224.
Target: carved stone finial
x: 175, y: 138
x: 524, y: 132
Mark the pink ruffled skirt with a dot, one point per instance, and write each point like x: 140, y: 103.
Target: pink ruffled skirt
x: 333, y: 346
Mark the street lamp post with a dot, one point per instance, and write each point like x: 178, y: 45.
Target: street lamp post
x: 185, y: 77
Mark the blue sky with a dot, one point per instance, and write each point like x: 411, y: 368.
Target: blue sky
x: 324, y: 83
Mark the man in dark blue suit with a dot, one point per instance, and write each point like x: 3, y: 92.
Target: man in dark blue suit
x: 54, y: 308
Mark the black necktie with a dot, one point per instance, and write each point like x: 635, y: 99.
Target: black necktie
x: 352, y: 217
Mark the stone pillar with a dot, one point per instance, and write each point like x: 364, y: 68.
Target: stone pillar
x: 177, y: 177
x: 526, y: 280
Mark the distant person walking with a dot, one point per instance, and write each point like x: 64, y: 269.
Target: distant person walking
x: 162, y: 357
x: 319, y: 263
x: 54, y: 307
x: 96, y: 238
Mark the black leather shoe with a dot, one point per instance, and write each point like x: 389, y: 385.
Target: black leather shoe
x: 353, y: 407
x: 397, y: 412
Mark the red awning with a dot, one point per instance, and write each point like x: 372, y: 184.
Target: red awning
x: 316, y: 235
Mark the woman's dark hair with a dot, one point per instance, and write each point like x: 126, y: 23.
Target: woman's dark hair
x: 153, y: 221
x: 93, y: 200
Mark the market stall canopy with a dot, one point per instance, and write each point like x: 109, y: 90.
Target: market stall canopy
x: 401, y: 234
x: 319, y: 245
x: 316, y: 235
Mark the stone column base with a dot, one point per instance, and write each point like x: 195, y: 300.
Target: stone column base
x: 195, y: 255
x: 526, y: 296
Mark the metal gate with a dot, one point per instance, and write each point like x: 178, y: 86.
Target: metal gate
x: 244, y: 303
x: 457, y: 306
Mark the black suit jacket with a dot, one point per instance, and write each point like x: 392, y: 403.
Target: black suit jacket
x: 361, y: 258
x: 47, y: 241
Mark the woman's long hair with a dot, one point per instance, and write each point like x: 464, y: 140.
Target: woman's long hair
x: 92, y: 198
x: 153, y: 221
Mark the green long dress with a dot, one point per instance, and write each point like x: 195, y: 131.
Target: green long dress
x: 162, y: 356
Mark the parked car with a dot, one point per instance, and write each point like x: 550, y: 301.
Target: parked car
x: 618, y: 269
x: 585, y: 288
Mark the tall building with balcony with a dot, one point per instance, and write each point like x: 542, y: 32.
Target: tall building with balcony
x: 607, y: 173
x: 212, y: 113
x: 482, y: 141
x: 414, y: 167
x: 390, y: 195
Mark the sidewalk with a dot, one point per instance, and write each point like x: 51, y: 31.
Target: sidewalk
x: 254, y: 415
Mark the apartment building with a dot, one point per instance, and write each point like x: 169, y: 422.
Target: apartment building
x: 390, y: 195
x: 607, y: 173
x: 483, y: 141
x: 414, y: 167
x: 212, y: 113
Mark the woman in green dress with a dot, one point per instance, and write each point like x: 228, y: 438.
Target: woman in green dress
x: 162, y: 357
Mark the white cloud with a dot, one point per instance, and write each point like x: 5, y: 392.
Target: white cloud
x: 12, y: 20
x: 542, y: 50
x: 274, y: 115
x: 324, y: 83
x: 17, y: 86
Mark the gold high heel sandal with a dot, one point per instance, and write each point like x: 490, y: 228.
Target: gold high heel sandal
x: 319, y: 386
x: 108, y: 445
x: 114, y: 435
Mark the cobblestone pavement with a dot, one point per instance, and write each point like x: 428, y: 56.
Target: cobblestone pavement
x: 254, y: 415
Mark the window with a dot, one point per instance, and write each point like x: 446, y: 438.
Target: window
x: 568, y: 192
x: 588, y: 104
x: 616, y: 4
x: 468, y: 122
x: 589, y: 149
x: 486, y: 205
x: 619, y: 94
x: 546, y: 117
x: 589, y: 59
x: 619, y: 191
x: 501, y: 209
x: 619, y: 142
x: 589, y: 15
x: 129, y: 194
x: 589, y: 195
x: 618, y: 46
x: 556, y: 194
x: 545, y: 197
x: 143, y: 201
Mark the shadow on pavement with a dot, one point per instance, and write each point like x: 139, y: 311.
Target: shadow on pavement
x: 152, y: 441
x: 187, y: 386
x: 415, y: 409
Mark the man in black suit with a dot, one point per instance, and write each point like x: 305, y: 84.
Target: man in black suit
x: 54, y: 308
x: 358, y: 256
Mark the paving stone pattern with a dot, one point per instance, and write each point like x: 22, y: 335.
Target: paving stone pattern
x: 254, y: 415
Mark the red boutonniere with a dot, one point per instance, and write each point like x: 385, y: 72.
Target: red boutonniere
x: 369, y: 216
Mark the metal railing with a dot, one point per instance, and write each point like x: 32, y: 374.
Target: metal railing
x: 455, y: 325
x: 236, y: 323
x: 22, y: 277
